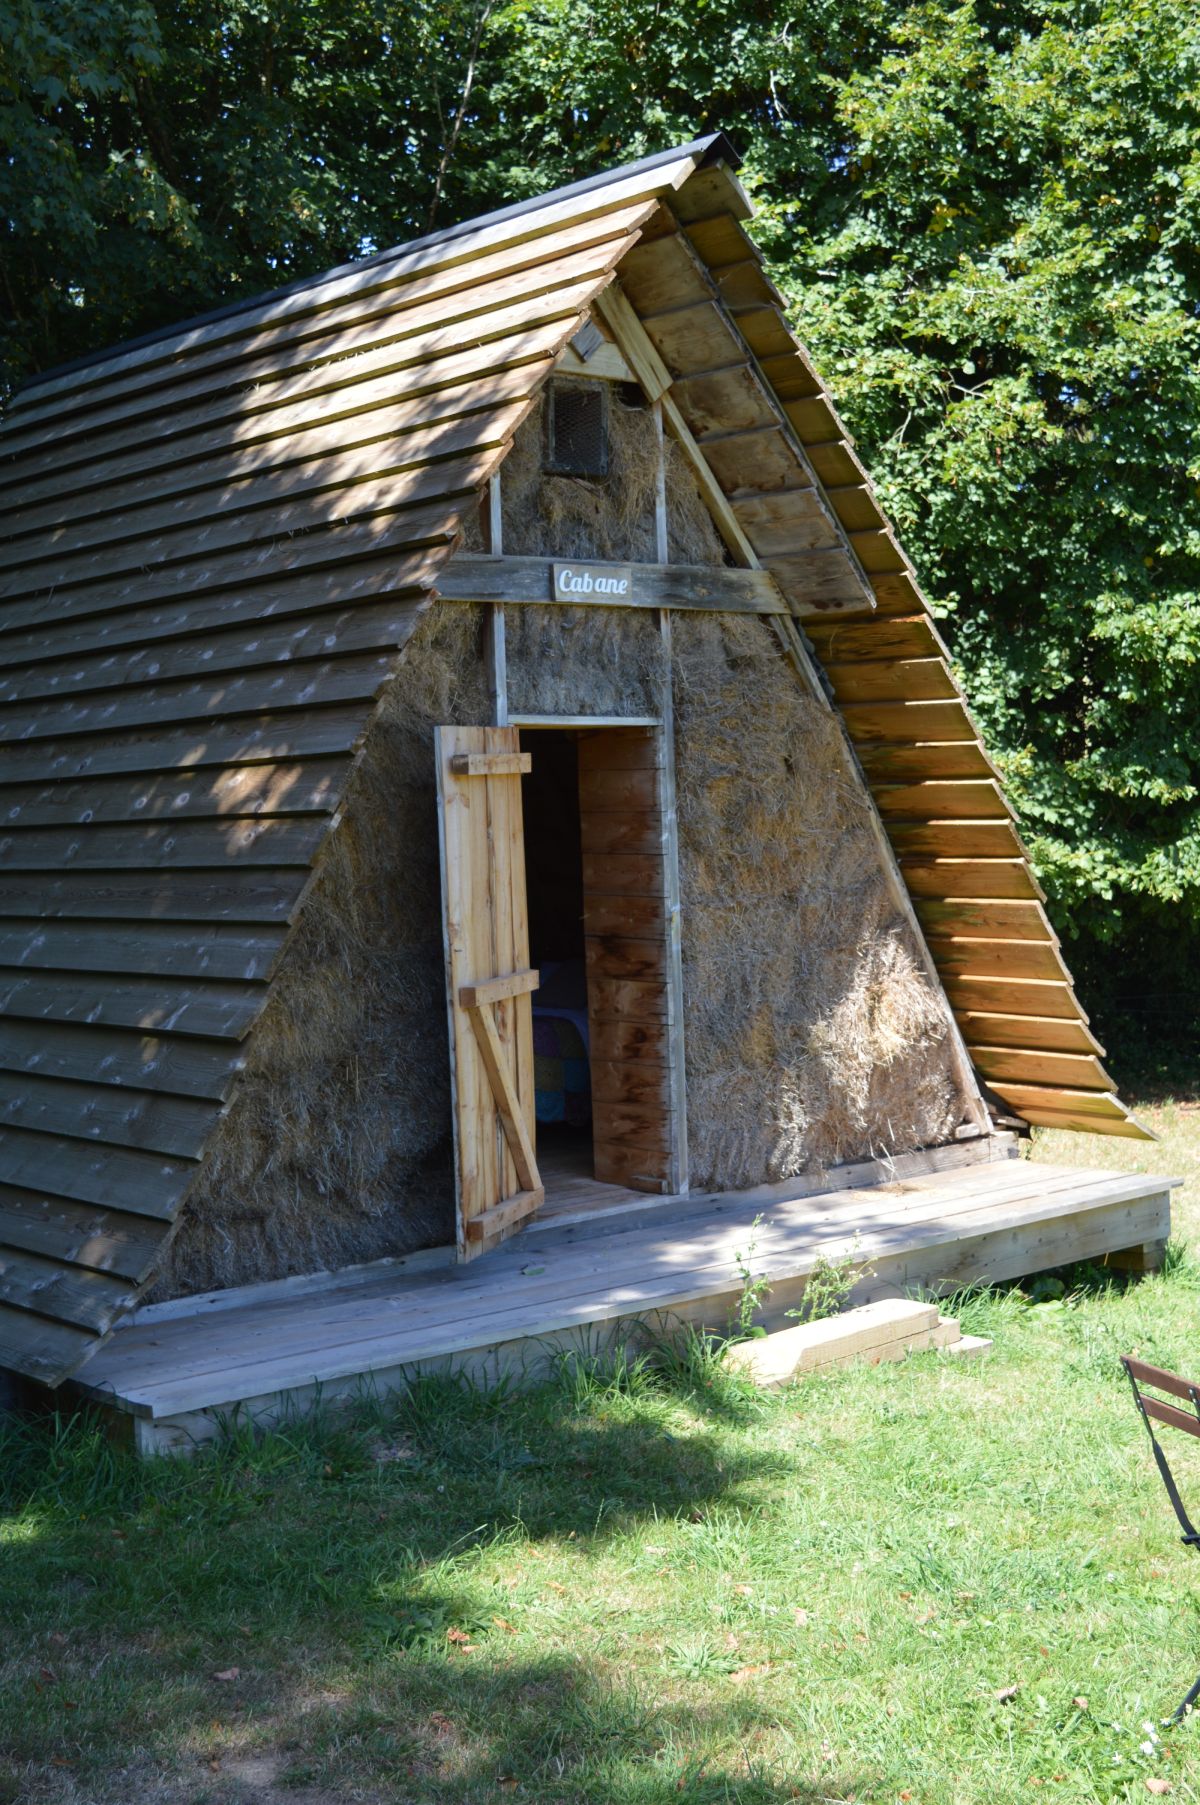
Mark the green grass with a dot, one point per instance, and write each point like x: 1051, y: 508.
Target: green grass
x: 649, y: 1587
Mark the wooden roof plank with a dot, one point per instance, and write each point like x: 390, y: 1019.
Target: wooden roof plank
x: 79, y: 633
x: 372, y: 477
x: 1013, y: 996
x: 893, y: 680
x: 905, y: 723
x: 231, y: 792
x: 69, y: 1293
x: 112, y: 1115
x: 954, y: 799
x: 219, y: 844
x: 39, y: 1347
x: 1080, y: 1121
x: 96, y: 1236
x: 784, y: 521
x: 999, y: 878
x: 1060, y: 1099
x: 244, y: 448
x: 148, y: 1184
x: 986, y: 920
x: 844, y: 642
x: 816, y: 582
x: 213, y: 1008
x: 895, y: 762
x: 175, y: 1065
x: 416, y: 534
x: 986, y: 839
x: 211, y: 951
x: 658, y: 274
x: 352, y: 358
x: 241, y: 740
x: 301, y: 684
x: 365, y: 626
x: 243, y: 417
x: 1078, y: 1071
x: 260, y: 895
x: 997, y: 958
x: 1049, y: 1034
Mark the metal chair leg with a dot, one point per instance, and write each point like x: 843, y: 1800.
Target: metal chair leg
x: 1186, y: 1706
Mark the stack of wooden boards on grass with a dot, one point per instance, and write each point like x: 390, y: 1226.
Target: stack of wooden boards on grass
x: 887, y: 1330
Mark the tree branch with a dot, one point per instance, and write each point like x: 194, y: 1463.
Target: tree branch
x: 448, y: 149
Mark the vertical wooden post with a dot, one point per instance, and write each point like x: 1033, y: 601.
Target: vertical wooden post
x: 675, y: 1049
x: 662, y: 546
x: 497, y: 647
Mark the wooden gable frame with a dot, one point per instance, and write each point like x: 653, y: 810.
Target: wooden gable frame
x: 214, y: 547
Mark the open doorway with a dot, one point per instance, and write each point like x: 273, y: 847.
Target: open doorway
x: 554, y: 894
x: 606, y: 1026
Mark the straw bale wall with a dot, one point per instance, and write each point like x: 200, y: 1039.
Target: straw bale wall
x: 812, y: 1035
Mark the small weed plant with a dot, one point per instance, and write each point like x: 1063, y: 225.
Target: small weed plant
x: 829, y: 1284
x: 754, y: 1288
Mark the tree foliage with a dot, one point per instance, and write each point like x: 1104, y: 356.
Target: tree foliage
x: 986, y: 216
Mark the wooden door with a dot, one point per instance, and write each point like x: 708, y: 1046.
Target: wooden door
x: 489, y: 983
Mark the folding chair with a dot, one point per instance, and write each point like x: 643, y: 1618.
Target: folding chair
x: 1160, y: 1411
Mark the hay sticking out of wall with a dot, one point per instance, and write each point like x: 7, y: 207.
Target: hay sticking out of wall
x: 609, y: 517
x: 583, y: 517
x: 812, y: 1035
x: 337, y: 1147
x: 691, y: 536
x: 584, y: 661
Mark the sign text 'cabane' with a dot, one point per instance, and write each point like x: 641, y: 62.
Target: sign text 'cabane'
x: 592, y: 582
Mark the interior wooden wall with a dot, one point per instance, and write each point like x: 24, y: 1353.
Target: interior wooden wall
x: 625, y: 928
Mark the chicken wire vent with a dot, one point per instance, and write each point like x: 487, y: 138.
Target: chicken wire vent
x: 577, y: 430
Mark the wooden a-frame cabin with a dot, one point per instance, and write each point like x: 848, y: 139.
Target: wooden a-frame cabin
x: 478, y: 777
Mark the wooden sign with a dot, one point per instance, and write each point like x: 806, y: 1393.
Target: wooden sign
x: 611, y: 583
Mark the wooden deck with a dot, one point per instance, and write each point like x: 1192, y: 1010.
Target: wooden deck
x: 601, y: 1269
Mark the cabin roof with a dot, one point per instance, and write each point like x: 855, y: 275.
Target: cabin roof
x: 218, y: 540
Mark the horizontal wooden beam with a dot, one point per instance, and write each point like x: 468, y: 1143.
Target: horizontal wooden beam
x: 497, y: 990
x: 491, y: 764
x: 476, y: 577
x: 505, y: 1215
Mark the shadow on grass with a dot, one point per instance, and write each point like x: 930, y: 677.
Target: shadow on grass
x: 555, y: 1729
x: 337, y: 1570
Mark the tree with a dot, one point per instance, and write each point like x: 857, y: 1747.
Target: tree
x: 158, y: 161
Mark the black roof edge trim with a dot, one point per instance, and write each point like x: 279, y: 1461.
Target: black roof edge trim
x: 714, y: 148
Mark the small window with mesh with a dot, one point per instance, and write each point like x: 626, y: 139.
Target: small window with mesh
x: 577, y: 430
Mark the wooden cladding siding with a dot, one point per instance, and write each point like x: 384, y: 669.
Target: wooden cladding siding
x: 635, y: 1134
x: 214, y: 547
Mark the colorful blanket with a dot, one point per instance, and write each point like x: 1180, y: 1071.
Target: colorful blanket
x: 561, y: 1078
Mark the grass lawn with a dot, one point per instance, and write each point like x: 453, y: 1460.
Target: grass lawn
x: 932, y: 1582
